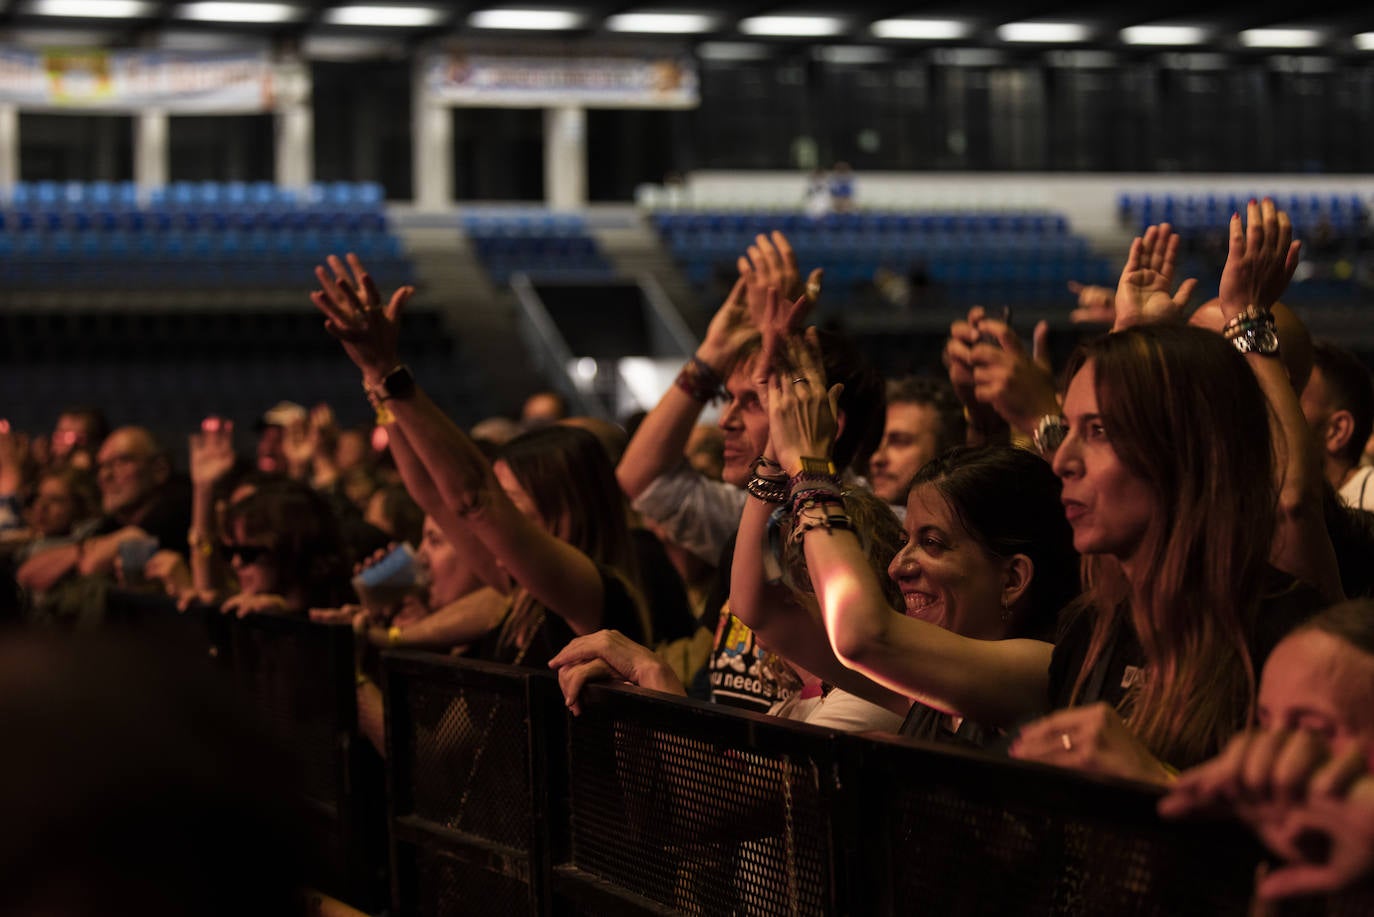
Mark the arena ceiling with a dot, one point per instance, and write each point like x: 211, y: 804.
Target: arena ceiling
x: 975, y: 23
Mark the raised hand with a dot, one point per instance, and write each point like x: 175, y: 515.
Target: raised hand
x: 212, y: 451
x: 773, y: 261
x: 354, y: 314
x: 1261, y: 259
x: 1096, y: 305
x: 802, y: 411
x: 1143, y: 293
x: 300, y: 442
x: 1017, y: 385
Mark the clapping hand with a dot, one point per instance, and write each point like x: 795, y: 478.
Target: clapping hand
x: 802, y: 410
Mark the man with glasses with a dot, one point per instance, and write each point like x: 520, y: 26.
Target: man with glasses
x: 141, y: 499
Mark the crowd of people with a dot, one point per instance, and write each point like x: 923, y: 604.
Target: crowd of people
x: 1150, y: 564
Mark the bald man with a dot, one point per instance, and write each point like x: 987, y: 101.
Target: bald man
x: 140, y: 498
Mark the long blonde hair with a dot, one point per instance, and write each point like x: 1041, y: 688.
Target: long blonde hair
x: 1185, y: 415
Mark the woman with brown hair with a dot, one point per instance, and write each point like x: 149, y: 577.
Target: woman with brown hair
x: 546, y: 511
x: 1177, y: 503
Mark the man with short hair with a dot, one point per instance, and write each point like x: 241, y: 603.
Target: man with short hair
x: 924, y: 419
x: 140, y: 498
x: 702, y: 515
x: 1338, y: 403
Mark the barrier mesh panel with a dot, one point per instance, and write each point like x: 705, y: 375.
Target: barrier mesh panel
x: 969, y: 850
x: 287, y: 676
x: 469, y: 753
x: 450, y: 887
x: 699, y: 825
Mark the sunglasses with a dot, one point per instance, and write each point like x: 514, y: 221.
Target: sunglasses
x: 246, y: 553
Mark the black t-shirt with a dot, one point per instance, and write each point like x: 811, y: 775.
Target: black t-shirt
x: 618, y: 612
x: 670, y: 616
x: 168, y: 519
x: 1285, y: 604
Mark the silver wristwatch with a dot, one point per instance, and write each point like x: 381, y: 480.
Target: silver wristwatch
x: 1049, y: 433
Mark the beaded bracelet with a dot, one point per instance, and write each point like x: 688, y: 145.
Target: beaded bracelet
x: 812, y: 479
x: 700, y: 381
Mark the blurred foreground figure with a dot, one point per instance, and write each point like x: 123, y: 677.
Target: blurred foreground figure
x: 131, y: 785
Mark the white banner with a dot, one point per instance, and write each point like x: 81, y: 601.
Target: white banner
x: 542, y: 82
x: 132, y: 81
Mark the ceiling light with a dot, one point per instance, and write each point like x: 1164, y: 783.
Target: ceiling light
x: 538, y: 20
x: 1280, y: 38
x: 792, y: 26
x: 1043, y: 32
x: 731, y: 51
x: 90, y: 9
x: 239, y: 12
x: 920, y: 29
x: 1364, y: 41
x: 397, y: 16
x: 661, y: 23
x: 853, y: 54
x: 1163, y: 35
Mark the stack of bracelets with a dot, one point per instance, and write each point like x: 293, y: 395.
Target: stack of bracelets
x: 699, y: 380
x: 816, y: 501
x: 808, y: 500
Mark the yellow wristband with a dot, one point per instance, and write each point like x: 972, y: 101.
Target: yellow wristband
x: 393, y: 635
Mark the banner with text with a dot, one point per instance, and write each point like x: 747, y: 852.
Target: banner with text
x: 132, y: 81
x: 602, y: 82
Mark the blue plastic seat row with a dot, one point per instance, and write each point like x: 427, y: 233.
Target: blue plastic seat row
x: 868, y: 223
x: 523, y: 224
x: 196, y: 194
x: 247, y: 272
x: 204, y: 246
x: 158, y: 220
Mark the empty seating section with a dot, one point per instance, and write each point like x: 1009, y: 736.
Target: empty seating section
x: 1332, y: 226
x: 547, y: 245
x: 189, y: 235
x: 1343, y: 215
x: 1012, y: 257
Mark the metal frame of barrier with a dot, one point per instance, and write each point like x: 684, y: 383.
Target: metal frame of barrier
x: 471, y: 751
x: 300, y: 677
x: 647, y: 804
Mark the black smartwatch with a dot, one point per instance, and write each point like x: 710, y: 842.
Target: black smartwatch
x: 399, y: 383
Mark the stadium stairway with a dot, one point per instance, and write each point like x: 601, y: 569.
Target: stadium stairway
x: 479, y: 315
x: 634, y: 248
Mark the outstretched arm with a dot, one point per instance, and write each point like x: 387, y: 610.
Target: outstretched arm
x: 997, y: 682
x: 658, y: 444
x: 559, y: 576
x: 1260, y: 263
x: 421, y: 488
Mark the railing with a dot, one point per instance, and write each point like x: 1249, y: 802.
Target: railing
x: 503, y: 803
x: 299, y: 677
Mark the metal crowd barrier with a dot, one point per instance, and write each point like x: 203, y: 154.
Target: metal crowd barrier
x: 504, y: 803
x: 501, y: 802
x: 300, y: 678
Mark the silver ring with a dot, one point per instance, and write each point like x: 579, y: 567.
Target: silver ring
x: 801, y: 380
x: 1066, y: 741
